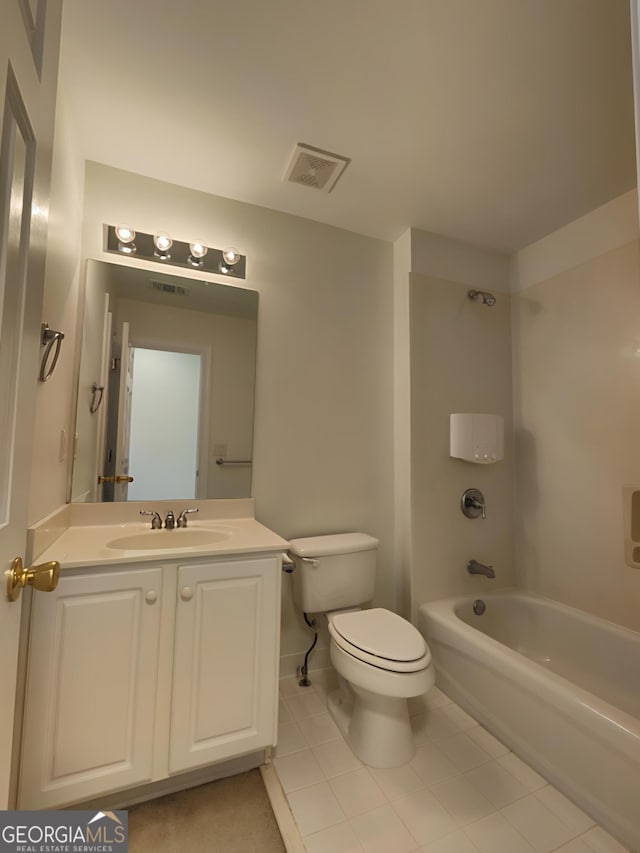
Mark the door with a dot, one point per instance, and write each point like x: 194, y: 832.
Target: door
x: 101, y: 414
x: 91, y: 688
x: 165, y: 434
x: 121, y: 488
x: 225, y: 670
x: 29, y: 46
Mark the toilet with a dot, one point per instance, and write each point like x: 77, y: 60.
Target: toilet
x: 380, y: 658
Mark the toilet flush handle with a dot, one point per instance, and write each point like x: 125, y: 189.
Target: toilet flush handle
x: 311, y: 560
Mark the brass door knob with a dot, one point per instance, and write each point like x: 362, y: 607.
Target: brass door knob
x: 43, y: 577
x: 120, y: 478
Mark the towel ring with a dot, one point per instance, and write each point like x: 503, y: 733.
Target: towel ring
x: 97, y: 393
x: 49, y: 338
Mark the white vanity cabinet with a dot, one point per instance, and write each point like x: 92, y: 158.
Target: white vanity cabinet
x: 224, y: 692
x: 137, y: 673
x: 91, y: 686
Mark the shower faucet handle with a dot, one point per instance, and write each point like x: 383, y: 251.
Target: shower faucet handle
x: 472, y: 503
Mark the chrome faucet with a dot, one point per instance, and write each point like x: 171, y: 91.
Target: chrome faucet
x: 182, y: 518
x: 476, y: 568
x: 156, y: 521
x: 170, y: 521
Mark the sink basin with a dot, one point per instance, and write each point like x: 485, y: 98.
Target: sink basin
x: 152, y: 540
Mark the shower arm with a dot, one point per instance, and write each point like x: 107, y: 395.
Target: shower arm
x: 486, y: 297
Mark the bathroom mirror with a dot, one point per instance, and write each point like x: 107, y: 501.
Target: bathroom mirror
x: 165, y: 387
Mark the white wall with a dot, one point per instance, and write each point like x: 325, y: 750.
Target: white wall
x: 402, y: 420
x: 460, y: 362
x: 323, y: 448
x: 52, y: 447
x: 576, y: 342
x: 87, y: 425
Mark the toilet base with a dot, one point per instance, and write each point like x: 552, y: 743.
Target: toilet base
x: 377, y: 728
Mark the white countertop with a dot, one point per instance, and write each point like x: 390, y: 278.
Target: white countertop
x: 97, y: 545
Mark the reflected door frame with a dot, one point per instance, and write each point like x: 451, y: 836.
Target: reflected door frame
x: 635, y: 53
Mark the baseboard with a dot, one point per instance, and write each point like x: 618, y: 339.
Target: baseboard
x: 143, y: 793
x: 319, y: 659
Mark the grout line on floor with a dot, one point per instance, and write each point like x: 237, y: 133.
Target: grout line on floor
x: 454, y: 793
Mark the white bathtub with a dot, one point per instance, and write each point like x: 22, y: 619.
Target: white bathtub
x: 560, y: 687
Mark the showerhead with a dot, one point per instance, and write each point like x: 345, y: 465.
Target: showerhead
x: 486, y: 297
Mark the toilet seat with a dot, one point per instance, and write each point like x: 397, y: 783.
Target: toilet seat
x: 381, y: 638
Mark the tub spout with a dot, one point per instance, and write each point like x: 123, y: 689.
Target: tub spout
x: 476, y: 568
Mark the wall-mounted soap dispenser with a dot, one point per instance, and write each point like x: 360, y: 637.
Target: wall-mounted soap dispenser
x: 477, y: 438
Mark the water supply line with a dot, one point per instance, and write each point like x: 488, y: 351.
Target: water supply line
x: 288, y: 566
x: 303, y: 671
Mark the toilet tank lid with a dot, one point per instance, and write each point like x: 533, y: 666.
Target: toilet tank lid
x: 335, y: 543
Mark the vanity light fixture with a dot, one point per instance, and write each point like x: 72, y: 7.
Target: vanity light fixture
x: 126, y: 236
x: 163, y: 242
x: 197, y: 251
x: 161, y: 247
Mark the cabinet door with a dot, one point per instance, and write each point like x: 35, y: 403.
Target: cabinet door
x: 91, y: 687
x: 225, y: 661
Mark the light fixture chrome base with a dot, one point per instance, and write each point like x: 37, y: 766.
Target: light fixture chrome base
x: 179, y: 256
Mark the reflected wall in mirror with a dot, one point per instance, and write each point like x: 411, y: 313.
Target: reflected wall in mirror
x: 165, y: 387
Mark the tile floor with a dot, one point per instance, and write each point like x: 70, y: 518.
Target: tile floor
x: 464, y: 792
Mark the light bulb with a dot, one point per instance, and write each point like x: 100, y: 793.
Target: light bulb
x: 163, y: 242
x: 198, y: 249
x: 125, y: 233
x: 230, y: 256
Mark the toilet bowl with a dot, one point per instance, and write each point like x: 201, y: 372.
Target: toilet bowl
x: 380, y: 658
x: 381, y: 661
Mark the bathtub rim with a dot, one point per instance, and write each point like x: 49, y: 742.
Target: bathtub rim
x: 551, y: 603
x: 446, y: 620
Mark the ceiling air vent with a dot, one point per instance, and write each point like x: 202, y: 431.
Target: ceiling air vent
x: 315, y: 168
x: 165, y: 287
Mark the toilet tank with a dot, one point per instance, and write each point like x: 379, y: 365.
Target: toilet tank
x: 333, y: 572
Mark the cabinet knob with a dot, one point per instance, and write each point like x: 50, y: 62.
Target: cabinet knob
x: 186, y: 593
x: 151, y: 597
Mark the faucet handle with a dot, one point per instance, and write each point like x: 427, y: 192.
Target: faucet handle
x: 182, y: 518
x: 156, y: 522
x: 472, y: 503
